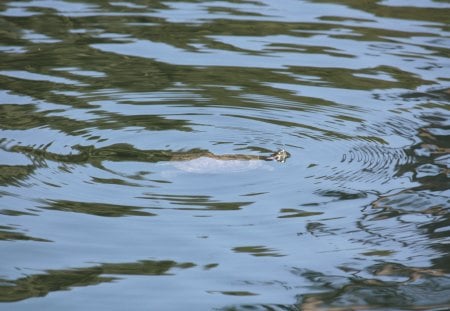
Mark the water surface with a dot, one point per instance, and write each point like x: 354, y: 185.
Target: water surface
x: 97, y: 99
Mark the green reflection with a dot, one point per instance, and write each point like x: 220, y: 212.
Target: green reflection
x: 293, y: 212
x: 258, y: 251
x: 23, y: 117
x: 95, y: 156
x: 194, y: 202
x: 14, y: 174
x: 234, y: 293
x: 114, y: 181
x: 139, y: 74
x: 98, y: 209
x: 40, y: 285
x: 9, y: 233
x: 10, y: 212
x: 403, y: 12
x: 380, y: 77
x: 379, y: 253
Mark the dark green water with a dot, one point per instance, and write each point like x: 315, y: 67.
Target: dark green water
x: 98, y: 98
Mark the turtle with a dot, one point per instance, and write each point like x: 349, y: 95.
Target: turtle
x: 279, y: 156
x: 208, y: 162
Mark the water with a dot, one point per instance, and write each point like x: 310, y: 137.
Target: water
x: 97, y: 98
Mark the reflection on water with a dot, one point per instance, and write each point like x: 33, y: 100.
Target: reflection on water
x: 132, y: 140
x: 41, y: 284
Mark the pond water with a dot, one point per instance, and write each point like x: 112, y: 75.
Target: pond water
x: 130, y: 133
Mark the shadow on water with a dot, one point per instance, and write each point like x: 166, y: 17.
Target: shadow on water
x: 132, y: 140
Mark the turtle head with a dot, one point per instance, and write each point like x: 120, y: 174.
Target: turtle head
x: 279, y: 156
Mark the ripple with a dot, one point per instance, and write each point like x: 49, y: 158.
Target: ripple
x: 355, y: 165
x: 376, y: 158
x: 413, y: 202
x: 385, y: 285
x: 411, y: 222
